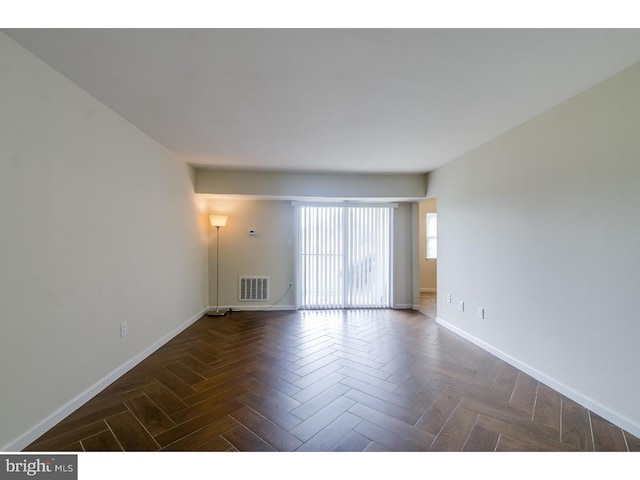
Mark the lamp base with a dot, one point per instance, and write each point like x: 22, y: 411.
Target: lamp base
x: 217, y: 313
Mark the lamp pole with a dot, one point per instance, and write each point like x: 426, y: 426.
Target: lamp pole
x: 217, y: 221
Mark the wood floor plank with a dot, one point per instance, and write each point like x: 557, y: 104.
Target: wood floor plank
x: 481, y: 440
x: 532, y: 441
x: 352, y: 442
x: 72, y: 447
x: 389, y: 423
x: 524, y: 394
x: 185, y: 373
x: 437, y: 415
x: 313, y: 366
x: 576, y: 430
x: 547, y: 409
x: 278, y: 383
x: 369, y: 389
x: 220, y: 374
x: 506, y: 413
x: 508, y: 444
x: 316, y: 355
x: 101, y: 442
x: 201, y: 356
x: 150, y: 415
x: 212, y: 403
x: 606, y: 436
x: 376, y: 447
x: 205, y: 346
x: 318, y: 387
x: 130, y: 382
x: 175, y: 384
x: 490, y: 369
x: 130, y: 433
x: 278, y: 360
x: 412, y: 386
x: 364, y: 368
x: 271, y: 411
x: 196, y: 424
x: 202, y: 435
x: 192, y: 363
x: 404, y: 414
x: 271, y: 433
x: 95, y: 410
x: 386, y: 440
x: 426, y: 397
x: 316, y: 422
x: 454, y: 434
x: 402, y: 375
x: 216, y: 444
x: 50, y: 444
x: 316, y: 375
x: 505, y: 382
x: 233, y: 387
x: 321, y: 400
x: 633, y: 443
x: 329, y: 437
x: 263, y: 370
x: 162, y: 397
x: 247, y: 441
x: 394, y: 362
x: 270, y: 394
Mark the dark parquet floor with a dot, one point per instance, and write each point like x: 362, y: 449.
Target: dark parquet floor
x: 359, y: 380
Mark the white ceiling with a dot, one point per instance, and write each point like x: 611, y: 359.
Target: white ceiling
x: 361, y: 100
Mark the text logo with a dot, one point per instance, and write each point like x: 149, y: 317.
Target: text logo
x: 58, y: 467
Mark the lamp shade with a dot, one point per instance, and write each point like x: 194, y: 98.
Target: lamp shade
x: 218, y: 220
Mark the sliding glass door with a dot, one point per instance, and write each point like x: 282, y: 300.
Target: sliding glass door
x: 344, y: 256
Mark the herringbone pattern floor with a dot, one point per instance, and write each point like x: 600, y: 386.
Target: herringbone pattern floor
x: 360, y: 380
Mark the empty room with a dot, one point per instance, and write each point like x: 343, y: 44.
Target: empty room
x: 319, y: 240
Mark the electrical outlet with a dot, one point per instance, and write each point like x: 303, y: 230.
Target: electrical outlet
x: 461, y: 304
x: 448, y: 298
x: 123, y: 329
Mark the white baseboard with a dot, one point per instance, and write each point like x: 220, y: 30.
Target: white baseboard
x: 32, y: 434
x: 254, y: 308
x: 403, y: 306
x: 429, y: 290
x: 588, y: 402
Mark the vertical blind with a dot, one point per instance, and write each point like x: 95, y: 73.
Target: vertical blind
x: 344, y: 257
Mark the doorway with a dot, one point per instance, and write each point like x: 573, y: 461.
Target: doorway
x: 428, y: 256
x: 344, y: 256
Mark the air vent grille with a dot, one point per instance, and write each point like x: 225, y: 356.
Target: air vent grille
x: 253, y: 289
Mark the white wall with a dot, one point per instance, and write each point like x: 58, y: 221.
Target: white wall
x: 272, y: 251
x: 541, y: 226
x: 386, y: 187
x: 403, y: 259
x: 99, y: 226
x: 428, y: 268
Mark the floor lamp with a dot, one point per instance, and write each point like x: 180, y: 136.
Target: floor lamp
x: 217, y: 221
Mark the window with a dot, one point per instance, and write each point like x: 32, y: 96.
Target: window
x: 344, y: 258
x: 432, y: 236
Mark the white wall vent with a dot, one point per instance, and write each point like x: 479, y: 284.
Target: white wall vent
x: 253, y: 289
